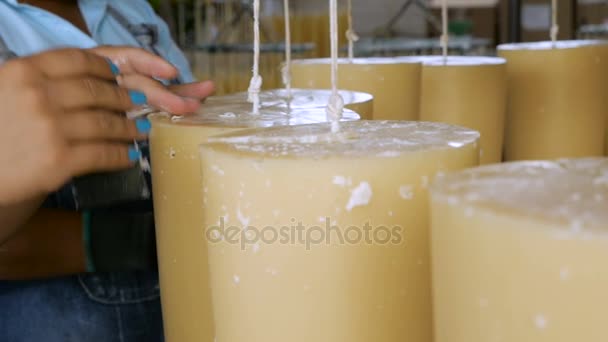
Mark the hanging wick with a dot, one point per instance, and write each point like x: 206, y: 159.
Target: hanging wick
x: 286, y: 72
x: 351, y: 35
x: 335, y: 107
x: 255, y: 86
x: 445, y: 33
x: 554, y: 26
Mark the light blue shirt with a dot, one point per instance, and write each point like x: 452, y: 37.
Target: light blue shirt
x: 28, y: 30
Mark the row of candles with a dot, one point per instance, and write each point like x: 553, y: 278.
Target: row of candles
x: 272, y: 227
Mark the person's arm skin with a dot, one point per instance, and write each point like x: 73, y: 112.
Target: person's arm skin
x: 33, y: 253
x: 59, y: 120
x: 13, y: 216
x: 50, y: 244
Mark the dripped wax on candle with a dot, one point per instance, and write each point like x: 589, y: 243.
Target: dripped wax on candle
x: 394, y: 83
x: 518, y: 252
x: 178, y: 204
x: 361, y: 103
x: 273, y: 281
x: 467, y: 91
x: 557, y: 99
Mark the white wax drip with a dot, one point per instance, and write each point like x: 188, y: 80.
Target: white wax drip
x: 255, y: 86
x: 334, y: 110
x: 335, y: 106
x: 351, y: 35
x: 286, y: 72
x: 554, y: 26
x: 445, y: 33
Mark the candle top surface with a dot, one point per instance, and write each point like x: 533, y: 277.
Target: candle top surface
x: 357, y: 61
x: 457, y: 60
x: 240, y: 115
x: 300, y: 98
x: 568, y: 193
x: 378, y: 139
x: 549, y: 45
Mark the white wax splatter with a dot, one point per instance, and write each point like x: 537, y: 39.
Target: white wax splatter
x: 342, y: 181
x: 360, y: 196
x: 424, y: 181
x: 406, y: 192
x: 272, y: 271
x: 242, y: 218
x: 217, y: 170
x: 540, y: 321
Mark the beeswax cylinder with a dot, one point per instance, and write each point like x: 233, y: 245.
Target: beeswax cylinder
x: 323, y: 237
x: 361, y: 103
x: 178, y: 205
x: 394, y: 83
x: 467, y: 91
x: 519, y: 252
x: 557, y: 99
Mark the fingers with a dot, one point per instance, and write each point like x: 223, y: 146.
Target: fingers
x: 70, y: 63
x: 160, y: 96
x: 133, y: 60
x: 102, y: 125
x: 196, y: 90
x: 73, y: 94
x: 99, y: 157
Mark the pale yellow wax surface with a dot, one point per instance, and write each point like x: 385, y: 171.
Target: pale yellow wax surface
x: 361, y: 103
x: 178, y: 206
x: 519, y: 252
x: 394, y: 83
x: 557, y: 105
x: 372, y: 172
x: 467, y: 91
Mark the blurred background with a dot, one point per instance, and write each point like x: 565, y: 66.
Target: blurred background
x: 217, y: 34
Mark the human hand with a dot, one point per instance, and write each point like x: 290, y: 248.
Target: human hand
x: 62, y: 116
x: 138, y: 70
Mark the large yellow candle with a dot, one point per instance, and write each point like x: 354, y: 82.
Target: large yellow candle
x: 467, y: 91
x: 394, y: 83
x: 519, y: 252
x: 323, y: 237
x: 360, y: 103
x: 176, y: 177
x: 557, y: 99
x: 310, y: 24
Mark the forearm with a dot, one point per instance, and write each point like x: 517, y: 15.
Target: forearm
x: 14, y: 216
x: 48, y: 245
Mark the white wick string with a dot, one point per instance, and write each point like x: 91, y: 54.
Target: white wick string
x: 351, y: 35
x: 255, y: 86
x: 554, y: 26
x: 286, y: 72
x: 335, y: 107
x: 445, y: 33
